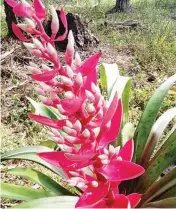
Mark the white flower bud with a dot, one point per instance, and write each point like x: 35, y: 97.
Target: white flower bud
x: 106, y: 151
x: 111, y: 149
x: 43, y: 98
x: 73, y: 173
x: 71, y: 37
x: 105, y: 162
x: 86, y: 133
x: 117, y: 149
x: 22, y: 26
x: 55, y: 20
x: 80, y: 185
x: 90, y: 96
x: 79, y: 79
x: 78, y: 125
x: 67, y: 148
x: 90, y: 108
x: 46, y: 68
x: 69, y: 124
x: 60, y: 109
x: 66, y: 81
x: 37, y: 43
x: 77, y: 60
x: 69, y: 71
x: 33, y: 64
x: 29, y: 46
x: 51, y: 50
x: 94, y: 183
x: 69, y: 95
x: 39, y: 91
x: 93, y: 87
x: 29, y: 23
x: 103, y: 157
x: 70, y: 139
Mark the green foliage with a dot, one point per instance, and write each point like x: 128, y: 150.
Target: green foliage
x: 30, y: 153
x: 39, y: 178
x: 22, y: 193
x: 149, y: 116
x: 147, y: 134
x: 50, y: 202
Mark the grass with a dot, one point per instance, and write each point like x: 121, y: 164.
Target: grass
x: 154, y: 45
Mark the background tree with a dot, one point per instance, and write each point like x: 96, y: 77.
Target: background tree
x: 121, y: 6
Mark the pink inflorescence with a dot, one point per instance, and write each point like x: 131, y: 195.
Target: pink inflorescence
x: 88, y: 122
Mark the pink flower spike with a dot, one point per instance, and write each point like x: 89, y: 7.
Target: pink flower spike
x: 46, y: 76
x: 40, y: 10
x: 54, y: 22
x: 126, y: 153
x: 89, y: 65
x: 47, y: 121
x: 134, y: 199
x: 111, y: 111
x: 19, y: 34
x: 22, y: 10
x: 114, y: 128
x: 11, y: 3
x: 64, y: 21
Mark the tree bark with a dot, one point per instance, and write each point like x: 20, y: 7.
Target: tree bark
x: 10, y: 17
x: 121, y: 6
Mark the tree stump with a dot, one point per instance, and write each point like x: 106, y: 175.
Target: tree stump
x: 83, y: 37
x: 121, y: 6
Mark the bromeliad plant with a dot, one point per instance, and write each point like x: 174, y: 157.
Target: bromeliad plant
x: 84, y: 125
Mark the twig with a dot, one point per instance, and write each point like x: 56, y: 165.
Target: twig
x: 3, y: 56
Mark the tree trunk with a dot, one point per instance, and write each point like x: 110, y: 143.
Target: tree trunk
x: 10, y: 17
x: 83, y: 37
x: 121, y: 6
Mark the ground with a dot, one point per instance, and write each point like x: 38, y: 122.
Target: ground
x: 146, y: 53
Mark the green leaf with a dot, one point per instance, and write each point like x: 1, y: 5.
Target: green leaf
x: 15, y: 192
x: 41, y: 109
x: 126, y: 100
x: 155, y: 134
x: 112, y: 82
x: 108, y: 76
x: 169, y: 193
x: 149, y: 116
x: 159, y: 187
x: 50, y: 202
x: 161, y: 162
x: 41, y: 179
x: 48, y: 143
x: 165, y: 203
x: 30, y: 153
x: 166, y: 144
